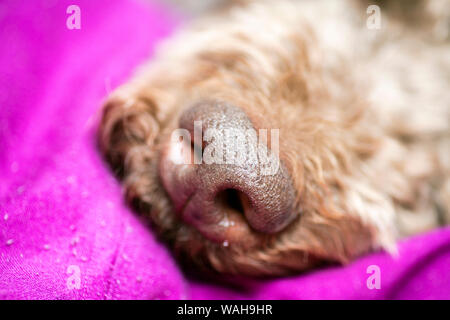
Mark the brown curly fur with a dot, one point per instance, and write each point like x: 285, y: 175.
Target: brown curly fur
x: 364, y: 172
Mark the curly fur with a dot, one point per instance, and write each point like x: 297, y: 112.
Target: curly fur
x: 364, y: 120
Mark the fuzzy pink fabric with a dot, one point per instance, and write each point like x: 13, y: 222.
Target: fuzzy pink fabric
x: 65, y: 232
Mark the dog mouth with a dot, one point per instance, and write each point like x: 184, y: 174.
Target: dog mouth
x: 225, y: 202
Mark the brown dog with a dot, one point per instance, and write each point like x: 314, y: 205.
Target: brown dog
x: 360, y: 116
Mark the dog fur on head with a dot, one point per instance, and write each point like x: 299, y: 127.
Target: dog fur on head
x: 364, y: 119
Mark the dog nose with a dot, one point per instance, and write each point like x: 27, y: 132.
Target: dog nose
x: 238, y: 178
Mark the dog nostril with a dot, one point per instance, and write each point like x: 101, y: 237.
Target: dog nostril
x: 232, y: 200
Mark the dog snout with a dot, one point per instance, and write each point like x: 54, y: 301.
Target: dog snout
x: 236, y: 179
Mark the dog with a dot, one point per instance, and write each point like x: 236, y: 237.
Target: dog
x: 357, y: 103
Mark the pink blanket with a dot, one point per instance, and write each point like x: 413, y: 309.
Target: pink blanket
x: 65, y: 232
